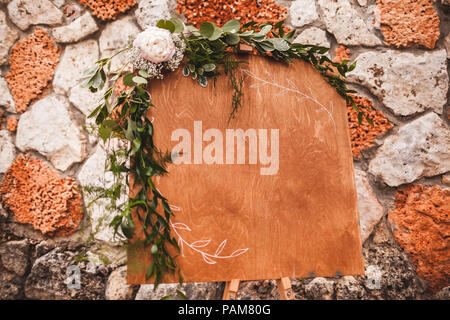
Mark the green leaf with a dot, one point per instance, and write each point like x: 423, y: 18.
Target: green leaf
x: 179, y: 26
x: 267, y: 45
x: 207, y: 29
x: 203, y: 81
x: 143, y: 74
x: 104, y: 133
x: 90, y: 71
x: 186, y: 71
x: 209, y: 67
x: 279, y: 44
x: 232, y: 26
x: 149, y: 271
x: 154, y: 249
x: 232, y: 39
x: 210, y: 31
x: 166, y: 24
x: 265, y: 30
x: 136, y: 146
x: 181, y: 295
x: 128, y: 80
x: 139, y: 80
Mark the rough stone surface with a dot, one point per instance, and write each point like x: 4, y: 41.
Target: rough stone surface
x: 78, y: 29
x: 447, y: 45
x: 425, y: 152
x: 149, y: 12
x: 108, y: 9
x: 85, y: 100
x: 92, y: 173
x: 33, y: 61
x: 342, y: 20
x: 49, y: 277
x: 302, y: 12
x: 370, y: 210
x: 7, y: 150
x: 6, y: 99
x: 116, y: 287
x: 116, y: 36
x: 193, y: 291
x: 37, y: 195
x: 363, y: 135
x: 7, y: 38
x: 14, y: 256
x: 11, y: 285
x: 407, y: 23
x: 320, y: 288
x: 446, y: 179
x: 30, y: 12
x: 313, y: 36
x: 421, y: 225
x: 75, y: 59
x: 423, y: 78
x: 49, y: 129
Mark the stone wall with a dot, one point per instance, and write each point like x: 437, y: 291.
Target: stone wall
x: 401, y: 165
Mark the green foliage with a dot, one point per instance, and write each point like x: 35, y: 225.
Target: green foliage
x: 209, y: 52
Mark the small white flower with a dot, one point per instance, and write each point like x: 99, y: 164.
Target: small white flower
x: 155, y: 44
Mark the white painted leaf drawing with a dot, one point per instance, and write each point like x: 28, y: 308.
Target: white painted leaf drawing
x: 181, y: 226
x: 208, y: 259
x: 200, y: 243
x: 220, y: 248
x: 239, y: 252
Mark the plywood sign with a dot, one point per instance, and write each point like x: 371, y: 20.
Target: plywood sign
x: 269, y: 194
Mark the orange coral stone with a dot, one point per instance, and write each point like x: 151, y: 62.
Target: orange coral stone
x: 108, y: 9
x: 422, y: 228
x: 33, y: 61
x: 37, y: 195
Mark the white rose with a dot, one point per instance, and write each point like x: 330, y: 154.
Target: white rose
x: 155, y: 44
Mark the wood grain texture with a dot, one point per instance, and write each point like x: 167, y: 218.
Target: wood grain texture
x: 302, y: 220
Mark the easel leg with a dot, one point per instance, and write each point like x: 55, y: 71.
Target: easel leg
x: 231, y: 289
x: 284, y: 285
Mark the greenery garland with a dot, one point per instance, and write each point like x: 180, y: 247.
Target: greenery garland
x: 208, y: 53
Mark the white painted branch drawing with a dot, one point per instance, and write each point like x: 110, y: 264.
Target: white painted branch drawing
x: 291, y: 88
x: 200, y: 244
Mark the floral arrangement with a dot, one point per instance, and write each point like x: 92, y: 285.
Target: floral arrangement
x: 204, y: 54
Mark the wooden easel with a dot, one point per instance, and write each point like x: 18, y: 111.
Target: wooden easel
x: 284, y: 286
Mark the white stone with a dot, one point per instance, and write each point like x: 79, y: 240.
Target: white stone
x: 405, y: 82
x: 314, y: 36
x: 369, y: 209
x: 92, y: 173
x: 303, y: 12
x: 446, y: 179
x: 117, y: 287
x: 6, y: 99
x: 362, y: 3
x: 58, y: 3
x: 149, y: 12
x: 116, y: 36
x: 30, y: 12
x: 342, y: 20
x: 7, y: 150
x: 147, y: 292
x: 49, y: 129
x: 419, y: 149
x: 76, y: 30
x: 85, y: 100
x: 75, y: 59
x: 7, y: 38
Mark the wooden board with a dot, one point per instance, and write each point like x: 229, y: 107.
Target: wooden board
x: 298, y: 221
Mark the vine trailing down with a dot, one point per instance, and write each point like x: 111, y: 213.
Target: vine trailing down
x: 204, y: 54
